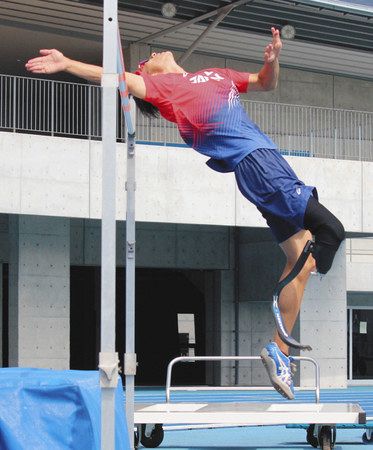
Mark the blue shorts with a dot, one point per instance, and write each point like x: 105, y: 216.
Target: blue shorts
x: 265, y: 178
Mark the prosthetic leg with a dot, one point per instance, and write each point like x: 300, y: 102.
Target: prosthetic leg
x: 329, y: 233
x: 282, y: 331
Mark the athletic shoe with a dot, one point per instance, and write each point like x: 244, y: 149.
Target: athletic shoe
x: 279, y: 368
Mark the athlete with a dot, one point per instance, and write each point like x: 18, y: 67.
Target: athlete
x: 206, y: 108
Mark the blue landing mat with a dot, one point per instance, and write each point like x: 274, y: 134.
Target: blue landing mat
x: 54, y: 410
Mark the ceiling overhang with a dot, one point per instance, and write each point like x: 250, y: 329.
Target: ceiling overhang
x: 83, y: 21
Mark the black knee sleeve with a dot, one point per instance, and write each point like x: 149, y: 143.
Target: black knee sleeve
x: 328, y: 232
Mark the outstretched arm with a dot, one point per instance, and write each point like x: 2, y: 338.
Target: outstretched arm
x: 53, y: 61
x: 266, y: 79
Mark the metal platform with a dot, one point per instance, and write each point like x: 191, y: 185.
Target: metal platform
x: 244, y: 412
x: 249, y: 413
x: 320, y: 419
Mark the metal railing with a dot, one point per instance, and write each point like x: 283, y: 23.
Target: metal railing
x: 179, y: 359
x: 53, y: 108
x: 71, y: 109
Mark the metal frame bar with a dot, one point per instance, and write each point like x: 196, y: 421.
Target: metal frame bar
x: 130, y: 355
x: 339, y: 6
x: 192, y: 21
x: 212, y: 25
x: 233, y: 358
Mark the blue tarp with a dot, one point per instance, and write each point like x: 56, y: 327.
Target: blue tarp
x: 55, y: 410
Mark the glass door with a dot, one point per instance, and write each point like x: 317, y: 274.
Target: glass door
x: 360, y: 344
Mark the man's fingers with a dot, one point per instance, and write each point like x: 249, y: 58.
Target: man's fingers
x: 38, y: 71
x: 35, y: 60
x: 45, y: 51
x: 36, y: 67
x: 275, y: 32
x: 275, y: 35
x: 268, y: 50
x: 32, y: 67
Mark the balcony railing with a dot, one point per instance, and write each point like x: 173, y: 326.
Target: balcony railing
x: 71, y: 109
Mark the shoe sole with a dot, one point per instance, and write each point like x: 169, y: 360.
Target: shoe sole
x: 269, y: 364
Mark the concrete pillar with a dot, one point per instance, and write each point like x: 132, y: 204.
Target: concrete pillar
x: 260, y: 265
x: 39, y: 292
x: 323, y: 325
x: 245, y: 324
x: 227, y: 325
x: 212, y: 325
x: 220, y: 325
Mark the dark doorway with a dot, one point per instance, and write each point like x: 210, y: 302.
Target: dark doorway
x: 360, y: 325
x: 5, y: 314
x: 84, y: 317
x: 161, y: 296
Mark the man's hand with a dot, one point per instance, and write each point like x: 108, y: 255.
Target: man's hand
x: 51, y: 61
x: 272, y: 51
x: 266, y: 79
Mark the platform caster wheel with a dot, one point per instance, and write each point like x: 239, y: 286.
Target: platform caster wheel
x: 155, y: 438
x: 311, y: 438
x: 327, y: 437
x: 367, y: 437
x: 136, y: 439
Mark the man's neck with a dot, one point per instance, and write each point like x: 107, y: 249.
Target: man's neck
x: 174, y: 68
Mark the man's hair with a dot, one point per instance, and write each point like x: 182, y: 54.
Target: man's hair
x: 146, y: 108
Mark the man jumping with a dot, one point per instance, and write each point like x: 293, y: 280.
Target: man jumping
x: 206, y: 107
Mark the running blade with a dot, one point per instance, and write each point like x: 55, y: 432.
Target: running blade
x: 282, y: 331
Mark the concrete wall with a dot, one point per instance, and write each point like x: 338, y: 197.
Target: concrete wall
x: 359, y: 249
x: 39, y: 292
x: 157, y: 245
x: 323, y: 325
x: 359, y: 257
x: 62, y: 177
x: 359, y: 276
x: 58, y: 177
x: 208, y: 248
x: 260, y: 264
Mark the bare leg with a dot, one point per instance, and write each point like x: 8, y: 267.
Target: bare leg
x: 292, y: 294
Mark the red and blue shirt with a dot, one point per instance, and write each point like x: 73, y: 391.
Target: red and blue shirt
x: 206, y: 107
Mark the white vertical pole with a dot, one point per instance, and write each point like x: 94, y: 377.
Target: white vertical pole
x: 129, y: 112
x: 130, y: 356
x: 108, y: 358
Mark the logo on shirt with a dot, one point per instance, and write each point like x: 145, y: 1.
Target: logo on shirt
x: 298, y: 190
x: 206, y: 77
x: 233, y: 97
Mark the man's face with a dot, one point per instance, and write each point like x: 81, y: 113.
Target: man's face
x: 157, y: 63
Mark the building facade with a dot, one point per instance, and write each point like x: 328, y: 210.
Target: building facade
x: 207, y: 264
